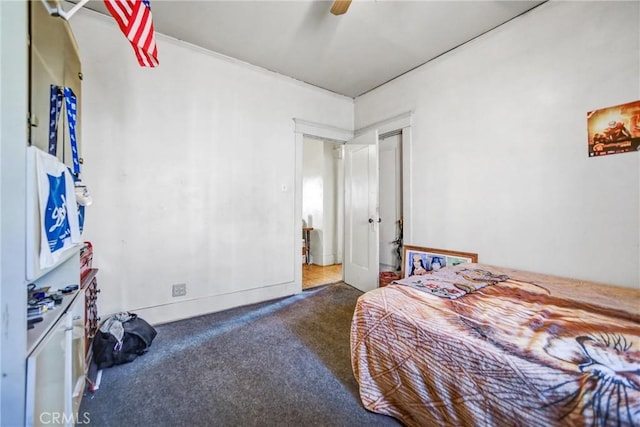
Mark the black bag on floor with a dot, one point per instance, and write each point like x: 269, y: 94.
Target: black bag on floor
x: 121, y: 339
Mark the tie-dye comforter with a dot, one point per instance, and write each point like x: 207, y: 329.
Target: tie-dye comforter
x: 533, y: 350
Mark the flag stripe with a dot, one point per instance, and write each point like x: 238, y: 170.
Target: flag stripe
x: 134, y: 24
x: 141, y: 28
x: 145, y: 39
x: 135, y: 21
x: 117, y: 12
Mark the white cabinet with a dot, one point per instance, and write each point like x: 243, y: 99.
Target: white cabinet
x: 56, y: 354
x: 75, y: 368
x: 56, y: 370
x: 46, y: 377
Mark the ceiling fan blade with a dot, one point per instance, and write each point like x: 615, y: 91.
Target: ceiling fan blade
x: 339, y: 7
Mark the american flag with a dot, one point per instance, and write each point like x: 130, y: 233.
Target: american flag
x: 134, y: 19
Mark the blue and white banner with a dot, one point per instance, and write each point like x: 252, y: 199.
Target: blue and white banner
x: 71, y: 105
x: 55, y: 105
x: 59, y: 226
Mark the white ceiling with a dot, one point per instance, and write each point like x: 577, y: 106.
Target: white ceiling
x: 374, y: 42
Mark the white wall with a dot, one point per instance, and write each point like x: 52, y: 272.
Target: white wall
x: 332, y: 212
x: 313, y: 195
x: 499, y: 157
x: 191, y: 167
x: 321, y: 207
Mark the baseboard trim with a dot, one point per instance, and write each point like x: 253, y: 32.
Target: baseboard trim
x: 196, y: 307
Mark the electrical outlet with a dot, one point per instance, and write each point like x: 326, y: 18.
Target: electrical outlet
x: 179, y: 290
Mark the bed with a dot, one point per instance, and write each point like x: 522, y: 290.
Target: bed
x: 525, y: 349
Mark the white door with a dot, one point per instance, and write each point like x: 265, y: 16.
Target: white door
x: 361, y: 208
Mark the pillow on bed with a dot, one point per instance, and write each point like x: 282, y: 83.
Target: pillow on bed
x: 452, y: 283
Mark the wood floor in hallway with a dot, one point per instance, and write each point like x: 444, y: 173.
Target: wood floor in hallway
x: 316, y: 275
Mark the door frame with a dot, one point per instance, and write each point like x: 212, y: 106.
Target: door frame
x: 308, y: 129
x: 305, y: 128
x: 402, y: 123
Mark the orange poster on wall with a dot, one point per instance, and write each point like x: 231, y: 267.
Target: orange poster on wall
x: 614, y: 129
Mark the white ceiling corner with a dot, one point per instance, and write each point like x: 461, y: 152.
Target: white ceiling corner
x: 373, y: 43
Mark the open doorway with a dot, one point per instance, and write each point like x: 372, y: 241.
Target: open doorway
x: 359, y: 243
x: 323, y: 208
x: 322, y: 212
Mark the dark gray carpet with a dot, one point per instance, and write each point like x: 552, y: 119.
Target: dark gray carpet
x: 279, y: 363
